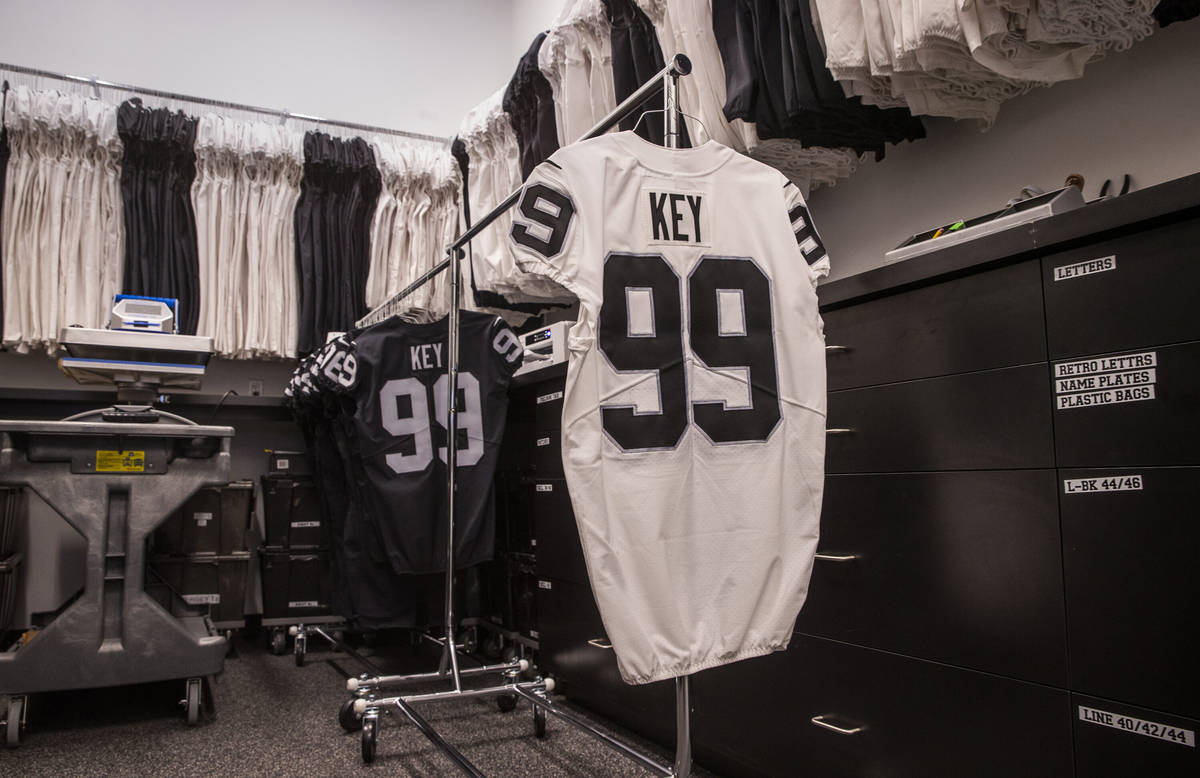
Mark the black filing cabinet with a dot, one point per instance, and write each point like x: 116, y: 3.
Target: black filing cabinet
x: 1006, y: 580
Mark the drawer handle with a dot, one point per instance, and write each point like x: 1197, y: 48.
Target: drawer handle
x: 821, y: 721
x: 836, y: 349
x: 836, y: 557
x: 599, y: 643
x: 839, y: 431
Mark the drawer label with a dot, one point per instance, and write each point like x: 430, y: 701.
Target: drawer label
x: 305, y: 524
x: 1105, y: 381
x: 283, y: 464
x: 303, y: 604
x: 1113, y: 397
x: 120, y: 461
x: 1124, y: 483
x: 545, y: 487
x: 1185, y: 737
x: 543, y: 584
x: 202, y: 599
x: 549, y: 398
x: 1127, y: 378
x: 1080, y: 269
x: 533, y: 633
x: 202, y: 518
x: 1106, y: 364
x: 543, y: 442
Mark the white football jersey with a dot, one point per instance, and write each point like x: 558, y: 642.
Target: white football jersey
x: 694, y: 410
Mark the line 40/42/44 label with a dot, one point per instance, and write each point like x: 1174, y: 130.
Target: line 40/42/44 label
x: 1170, y: 734
x: 1120, y: 483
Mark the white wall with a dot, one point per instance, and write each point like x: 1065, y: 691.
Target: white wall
x: 1137, y: 112
x: 529, y: 17
x: 415, y: 65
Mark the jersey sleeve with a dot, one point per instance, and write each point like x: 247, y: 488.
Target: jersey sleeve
x: 337, y: 366
x: 545, y: 229
x: 807, y: 238
x: 506, y: 347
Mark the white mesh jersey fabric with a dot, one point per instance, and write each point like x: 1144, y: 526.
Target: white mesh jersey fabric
x: 63, y: 226
x: 576, y: 58
x: 694, y: 410
x: 494, y: 172
x: 244, y: 196
x: 415, y: 220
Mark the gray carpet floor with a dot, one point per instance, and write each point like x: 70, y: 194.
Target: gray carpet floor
x: 274, y: 718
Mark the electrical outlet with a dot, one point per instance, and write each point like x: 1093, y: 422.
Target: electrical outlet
x: 256, y: 387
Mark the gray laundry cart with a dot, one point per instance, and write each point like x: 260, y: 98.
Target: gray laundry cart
x: 114, y: 482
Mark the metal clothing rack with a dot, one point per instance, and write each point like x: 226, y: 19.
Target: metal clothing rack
x: 282, y: 115
x: 367, y: 705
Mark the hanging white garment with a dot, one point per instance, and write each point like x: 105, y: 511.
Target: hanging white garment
x: 494, y: 172
x: 414, y: 221
x: 244, y: 195
x: 576, y: 58
x: 63, y: 225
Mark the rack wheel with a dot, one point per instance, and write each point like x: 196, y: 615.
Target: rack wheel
x: 506, y: 702
x: 14, y: 730
x: 370, y: 736
x: 278, y: 642
x: 539, y: 721
x: 193, y: 701
x: 299, y: 646
x: 349, y: 720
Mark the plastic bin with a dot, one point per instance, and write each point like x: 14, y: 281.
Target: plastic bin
x: 289, y: 463
x: 292, y: 514
x: 213, y: 521
x: 212, y: 584
x: 295, y: 585
x: 13, y: 505
x: 10, y: 583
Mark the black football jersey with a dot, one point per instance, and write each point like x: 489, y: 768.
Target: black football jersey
x: 393, y: 379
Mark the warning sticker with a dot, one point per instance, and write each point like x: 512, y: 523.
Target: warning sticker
x: 1184, y: 737
x: 120, y: 461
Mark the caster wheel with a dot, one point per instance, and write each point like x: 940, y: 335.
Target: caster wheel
x: 370, y: 735
x: 192, y: 702
x: 470, y: 641
x: 299, y: 651
x: 350, y: 721
x: 539, y: 721
x: 506, y: 702
x: 14, y: 730
x: 278, y: 642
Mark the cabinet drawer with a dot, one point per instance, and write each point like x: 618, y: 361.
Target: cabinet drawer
x: 982, y: 321
x: 1132, y: 408
x: 1113, y: 740
x: 912, y: 718
x: 559, y: 552
x: 574, y: 649
x: 995, y: 419
x: 1133, y: 594
x: 963, y: 568
x: 547, y: 454
x: 1146, y: 297
x: 548, y: 404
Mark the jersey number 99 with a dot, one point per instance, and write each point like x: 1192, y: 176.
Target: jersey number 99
x: 404, y: 411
